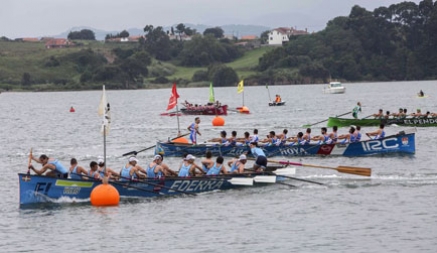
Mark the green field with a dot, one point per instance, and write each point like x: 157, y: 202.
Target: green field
x: 17, y: 58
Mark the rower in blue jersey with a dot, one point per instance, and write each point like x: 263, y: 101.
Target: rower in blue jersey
x: 188, y: 167
x: 295, y: 140
x: 260, y: 156
x: 194, y: 130
x: 154, y: 169
x: 357, y: 134
x: 333, y: 135
x: 232, y: 141
x: 76, y: 171
x: 324, y: 138
x: 378, y: 134
x: 237, y: 165
x: 217, y: 168
x: 245, y: 140
x: 110, y: 172
x: 282, y: 137
x: 94, y: 171
x: 306, y: 138
x: 53, y: 166
x: 349, y: 137
x: 222, y: 139
x: 254, y: 137
x: 207, y: 162
x: 131, y: 170
x: 272, y: 139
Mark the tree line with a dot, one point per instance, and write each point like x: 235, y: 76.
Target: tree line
x: 389, y: 43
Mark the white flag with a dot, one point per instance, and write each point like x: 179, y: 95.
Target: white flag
x: 105, y: 112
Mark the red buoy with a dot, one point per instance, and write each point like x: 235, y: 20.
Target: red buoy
x: 72, y: 109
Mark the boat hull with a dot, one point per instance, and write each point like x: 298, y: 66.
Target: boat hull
x: 205, y: 110
x: 40, y: 189
x: 400, y: 143
x: 277, y: 103
x: 411, y: 122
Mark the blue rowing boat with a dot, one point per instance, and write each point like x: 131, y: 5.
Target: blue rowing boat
x: 40, y: 189
x: 401, y: 143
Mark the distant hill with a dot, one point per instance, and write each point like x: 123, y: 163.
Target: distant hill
x: 236, y: 30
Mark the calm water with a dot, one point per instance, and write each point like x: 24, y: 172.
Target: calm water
x: 393, y: 211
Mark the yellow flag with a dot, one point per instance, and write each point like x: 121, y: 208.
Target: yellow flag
x: 240, y: 87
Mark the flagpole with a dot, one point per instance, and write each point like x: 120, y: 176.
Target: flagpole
x: 243, y: 97
x: 177, y: 115
x: 270, y: 99
x: 104, y: 148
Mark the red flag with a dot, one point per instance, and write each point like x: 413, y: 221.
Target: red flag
x: 173, y: 99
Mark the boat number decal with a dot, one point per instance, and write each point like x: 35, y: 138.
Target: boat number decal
x: 293, y: 151
x: 43, y: 188
x: 196, y: 185
x: 389, y: 143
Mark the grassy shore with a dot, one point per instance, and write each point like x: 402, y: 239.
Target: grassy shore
x: 17, y: 58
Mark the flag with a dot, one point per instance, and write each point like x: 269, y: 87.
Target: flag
x: 104, y: 112
x: 240, y: 87
x: 211, y: 93
x: 172, y: 102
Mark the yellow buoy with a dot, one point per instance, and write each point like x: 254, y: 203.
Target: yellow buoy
x: 104, y: 195
x: 218, y: 121
x: 180, y: 140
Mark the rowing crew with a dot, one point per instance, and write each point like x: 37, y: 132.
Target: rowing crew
x: 273, y: 139
x: 402, y: 113
x: 155, y: 169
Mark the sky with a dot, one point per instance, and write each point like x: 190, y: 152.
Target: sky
x: 36, y: 18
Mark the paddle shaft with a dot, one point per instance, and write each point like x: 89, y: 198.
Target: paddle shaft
x: 136, y: 152
x: 342, y: 169
x: 29, y: 162
x: 308, y: 125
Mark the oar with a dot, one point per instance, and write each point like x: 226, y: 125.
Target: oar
x: 298, y: 179
x: 342, y: 169
x: 308, y: 125
x: 30, y: 162
x: 136, y: 152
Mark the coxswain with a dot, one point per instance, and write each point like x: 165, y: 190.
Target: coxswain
x: 356, y: 110
x: 260, y: 156
x: 194, y: 130
x: 421, y: 94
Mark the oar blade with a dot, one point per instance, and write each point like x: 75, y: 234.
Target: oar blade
x: 355, y: 170
x: 265, y: 179
x: 246, y: 181
x: 285, y: 171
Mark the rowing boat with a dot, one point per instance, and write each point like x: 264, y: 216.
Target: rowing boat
x: 401, y: 143
x: 277, y: 103
x: 38, y: 189
x: 412, y: 122
x: 205, y: 110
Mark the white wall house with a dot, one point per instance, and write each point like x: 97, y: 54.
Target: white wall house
x: 279, y: 35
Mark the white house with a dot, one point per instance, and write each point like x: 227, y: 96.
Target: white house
x: 279, y: 35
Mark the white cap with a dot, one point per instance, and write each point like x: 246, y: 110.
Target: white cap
x: 156, y: 157
x: 133, y: 159
x: 190, y: 157
x: 100, y: 161
x: 242, y: 157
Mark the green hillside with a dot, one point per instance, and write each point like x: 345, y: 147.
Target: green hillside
x: 33, y: 58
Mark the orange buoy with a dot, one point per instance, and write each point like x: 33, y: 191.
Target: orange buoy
x: 244, y: 109
x: 72, y: 109
x: 218, y: 121
x: 104, y: 195
x: 180, y: 140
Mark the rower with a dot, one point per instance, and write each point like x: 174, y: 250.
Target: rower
x: 188, y: 167
x: 261, y: 159
x: 217, y: 168
x: 76, y: 171
x: 207, y: 162
x: 154, y: 169
x: 357, y: 134
x: 278, y: 99
x: 421, y: 93
x: 333, y: 135
x: 94, y: 171
x: 222, y: 139
x: 237, y: 165
x: 55, y: 168
x: 418, y: 113
x: 323, y: 138
x: 378, y: 115
x: 109, y: 171
x: 379, y: 134
x: 254, y: 137
x: 349, y: 137
x: 131, y: 170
